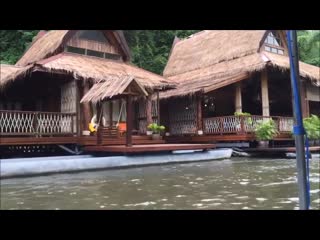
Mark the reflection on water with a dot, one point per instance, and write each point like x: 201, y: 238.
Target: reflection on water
x: 238, y: 183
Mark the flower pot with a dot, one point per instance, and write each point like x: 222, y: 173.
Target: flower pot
x: 156, y: 136
x: 149, y: 133
x: 86, y: 133
x: 263, y: 144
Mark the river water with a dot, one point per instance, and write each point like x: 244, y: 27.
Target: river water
x: 237, y: 183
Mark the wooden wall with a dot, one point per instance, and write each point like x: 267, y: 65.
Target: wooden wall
x: 182, y: 114
x: 109, y: 46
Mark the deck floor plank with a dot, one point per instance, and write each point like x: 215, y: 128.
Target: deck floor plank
x: 149, y: 148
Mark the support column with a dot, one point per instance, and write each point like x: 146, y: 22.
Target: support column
x: 304, y: 100
x: 158, y: 104
x: 149, y: 109
x: 86, y: 108
x: 238, y: 98
x: 129, y: 121
x: 99, y: 113
x: 199, y: 113
x: 110, y: 113
x: 265, y: 94
x: 78, y: 109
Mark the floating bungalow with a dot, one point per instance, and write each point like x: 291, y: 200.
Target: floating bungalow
x: 220, y: 73
x: 67, y: 79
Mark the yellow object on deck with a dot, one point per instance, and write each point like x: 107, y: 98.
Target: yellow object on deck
x: 92, y: 127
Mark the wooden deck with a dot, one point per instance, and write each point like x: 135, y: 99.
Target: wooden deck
x: 148, y: 148
x: 7, y: 141
x: 222, y: 138
x: 139, y: 139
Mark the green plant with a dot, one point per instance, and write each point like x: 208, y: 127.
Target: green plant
x: 312, y: 127
x: 247, y: 117
x: 155, y: 128
x: 266, y: 130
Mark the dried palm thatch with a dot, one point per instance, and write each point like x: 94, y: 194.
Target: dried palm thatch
x: 306, y: 70
x: 9, y: 73
x: 46, y: 44
x: 211, y: 47
x: 214, y: 77
x: 98, y: 69
x: 43, y: 47
x: 213, y: 59
x: 112, y: 87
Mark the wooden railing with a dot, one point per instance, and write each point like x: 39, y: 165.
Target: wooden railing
x: 243, y: 124
x: 37, y: 123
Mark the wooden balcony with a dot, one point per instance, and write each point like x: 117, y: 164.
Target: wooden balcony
x: 37, y: 124
x: 244, y: 124
x: 232, y: 129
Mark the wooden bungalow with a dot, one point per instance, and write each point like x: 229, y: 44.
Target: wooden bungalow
x: 69, y: 78
x: 219, y: 73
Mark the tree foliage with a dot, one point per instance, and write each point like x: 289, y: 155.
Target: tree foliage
x: 150, y: 49
x: 309, y: 46
x: 13, y: 44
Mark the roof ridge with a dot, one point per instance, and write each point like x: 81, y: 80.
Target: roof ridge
x: 191, y: 36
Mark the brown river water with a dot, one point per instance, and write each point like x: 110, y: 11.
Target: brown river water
x: 237, y: 183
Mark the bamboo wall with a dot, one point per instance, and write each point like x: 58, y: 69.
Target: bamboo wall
x: 106, y: 46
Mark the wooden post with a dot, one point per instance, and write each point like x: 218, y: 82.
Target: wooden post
x: 99, y: 132
x: 265, y: 94
x: 86, y: 108
x: 78, y: 116
x: 99, y: 113
x: 149, y: 109
x: 199, y: 113
x: 158, y: 104
x: 238, y: 98
x: 304, y: 100
x: 129, y: 121
x: 110, y: 113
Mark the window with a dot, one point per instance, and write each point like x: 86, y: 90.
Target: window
x: 76, y: 50
x: 273, y: 44
x: 94, y: 53
x: 112, y: 56
x: 92, y: 35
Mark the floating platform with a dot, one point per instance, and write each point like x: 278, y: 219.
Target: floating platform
x: 48, y: 165
x: 278, y: 150
x: 142, y: 148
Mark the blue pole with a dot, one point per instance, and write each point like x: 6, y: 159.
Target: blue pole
x: 298, y: 129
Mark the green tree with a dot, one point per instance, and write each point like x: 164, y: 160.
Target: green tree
x: 13, y: 43
x: 309, y: 46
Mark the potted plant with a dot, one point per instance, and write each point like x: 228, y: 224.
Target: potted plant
x: 265, y: 131
x: 247, y: 119
x: 312, y: 127
x: 149, y: 130
x: 156, y: 131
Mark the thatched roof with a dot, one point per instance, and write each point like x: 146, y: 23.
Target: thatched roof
x: 43, y: 47
x: 306, y: 70
x: 213, y: 59
x: 211, y: 47
x: 112, y: 87
x: 47, y: 44
x: 98, y: 69
x: 9, y: 73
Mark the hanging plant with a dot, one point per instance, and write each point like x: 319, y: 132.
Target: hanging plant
x: 266, y: 130
x: 312, y: 127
